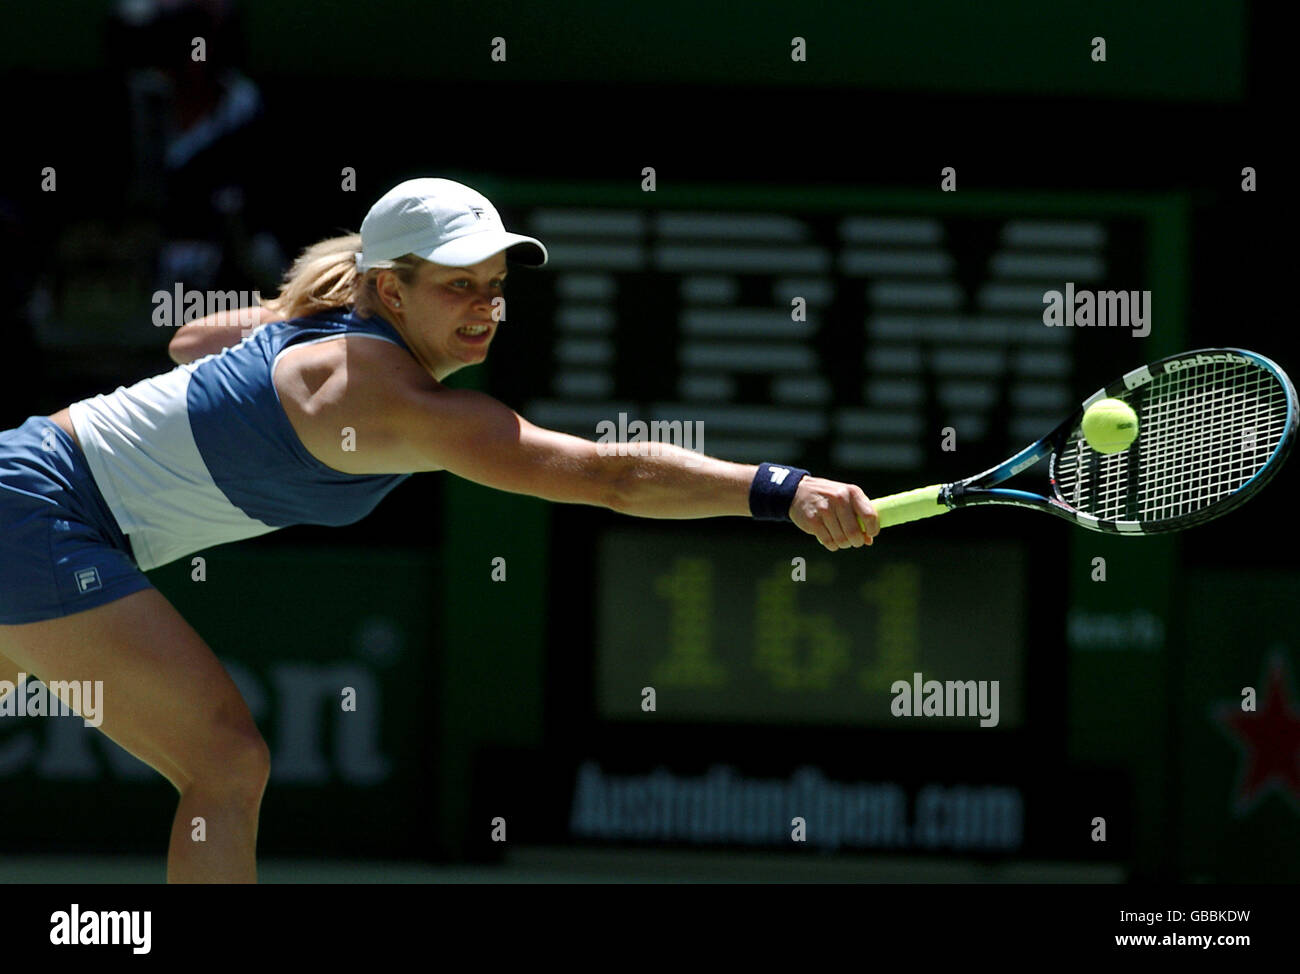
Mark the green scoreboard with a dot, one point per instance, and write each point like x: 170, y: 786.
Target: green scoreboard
x: 747, y: 645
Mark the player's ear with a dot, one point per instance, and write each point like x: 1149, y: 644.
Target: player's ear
x: 387, y: 286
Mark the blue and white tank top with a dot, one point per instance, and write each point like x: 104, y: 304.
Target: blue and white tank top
x: 204, y: 454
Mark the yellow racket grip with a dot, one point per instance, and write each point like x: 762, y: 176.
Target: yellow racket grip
x: 911, y: 505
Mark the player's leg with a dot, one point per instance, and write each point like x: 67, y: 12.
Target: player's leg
x: 168, y: 700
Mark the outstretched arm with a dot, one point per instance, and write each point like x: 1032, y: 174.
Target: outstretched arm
x: 408, y: 422
x: 481, y: 439
x: 219, y: 330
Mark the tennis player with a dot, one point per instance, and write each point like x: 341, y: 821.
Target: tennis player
x: 311, y: 417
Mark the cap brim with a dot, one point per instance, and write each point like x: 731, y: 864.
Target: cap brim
x: 475, y: 247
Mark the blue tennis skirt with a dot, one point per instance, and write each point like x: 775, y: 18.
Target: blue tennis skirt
x: 61, y: 550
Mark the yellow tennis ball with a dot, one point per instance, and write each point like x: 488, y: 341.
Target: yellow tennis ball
x: 1110, y: 425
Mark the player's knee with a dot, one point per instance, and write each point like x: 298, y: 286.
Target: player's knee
x: 234, y: 759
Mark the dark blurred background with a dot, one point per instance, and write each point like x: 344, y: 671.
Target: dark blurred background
x: 131, y: 167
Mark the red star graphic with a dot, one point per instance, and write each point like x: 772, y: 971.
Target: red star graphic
x: 1269, y: 739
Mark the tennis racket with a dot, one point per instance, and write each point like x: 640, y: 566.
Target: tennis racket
x: 1214, y: 426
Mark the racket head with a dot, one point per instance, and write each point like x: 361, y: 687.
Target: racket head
x: 1214, y: 426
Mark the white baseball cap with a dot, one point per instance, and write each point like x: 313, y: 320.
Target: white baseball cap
x: 442, y: 221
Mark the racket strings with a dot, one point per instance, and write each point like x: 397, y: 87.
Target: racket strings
x: 1205, y: 431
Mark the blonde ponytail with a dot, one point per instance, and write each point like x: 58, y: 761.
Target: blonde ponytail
x: 325, y: 276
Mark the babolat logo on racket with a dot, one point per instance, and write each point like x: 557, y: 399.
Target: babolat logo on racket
x: 1187, y: 363
x: 88, y: 580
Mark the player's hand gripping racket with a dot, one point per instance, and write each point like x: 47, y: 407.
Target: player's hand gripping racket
x: 1214, y: 425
